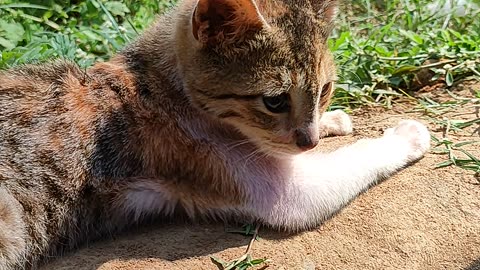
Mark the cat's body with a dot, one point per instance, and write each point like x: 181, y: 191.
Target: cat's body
x: 164, y: 127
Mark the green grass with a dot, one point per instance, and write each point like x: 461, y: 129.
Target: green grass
x: 83, y: 31
x: 245, y: 261
x: 456, y: 154
x: 242, y: 263
x: 436, y: 113
x: 383, y: 49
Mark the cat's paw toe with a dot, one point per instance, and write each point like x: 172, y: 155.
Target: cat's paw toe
x: 416, y: 134
x: 344, y: 122
x: 336, y: 123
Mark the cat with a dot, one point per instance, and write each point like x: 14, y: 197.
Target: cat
x: 215, y: 111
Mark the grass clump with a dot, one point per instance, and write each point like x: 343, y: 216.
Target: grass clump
x: 466, y: 160
x: 245, y: 261
x: 441, y: 113
x: 384, y: 48
x: 83, y: 31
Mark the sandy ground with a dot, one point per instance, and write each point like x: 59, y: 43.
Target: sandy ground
x: 421, y: 218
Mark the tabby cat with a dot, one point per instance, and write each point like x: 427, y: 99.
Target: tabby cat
x: 213, y: 111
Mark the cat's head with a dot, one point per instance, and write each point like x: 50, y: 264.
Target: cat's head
x: 263, y: 66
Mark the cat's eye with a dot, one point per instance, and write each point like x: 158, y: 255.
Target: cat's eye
x: 277, y: 104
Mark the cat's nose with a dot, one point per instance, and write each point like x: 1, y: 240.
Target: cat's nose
x: 306, y: 140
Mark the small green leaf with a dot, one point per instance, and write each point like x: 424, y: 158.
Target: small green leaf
x: 219, y: 262
x: 117, y: 8
x: 449, y: 78
x: 444, y: 164
x: 11, y: 31
x: 412, y: 36
x: 23, y: 5
x: 258, y: 261
x: 6, y: 43
x: 405, y: 69
x: 472, y: 157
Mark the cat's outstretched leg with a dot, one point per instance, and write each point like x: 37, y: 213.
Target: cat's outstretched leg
x: 12, y: 232
x: 321, y: 184
x: 335, y: 123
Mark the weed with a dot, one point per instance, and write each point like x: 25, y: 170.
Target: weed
x: 245, y: 261
x: 383, y: 47
x: 446, y: 146
x: 241, y: 263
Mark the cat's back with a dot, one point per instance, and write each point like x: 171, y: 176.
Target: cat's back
x: 47, y: 113
x: 51, y: 116
x: 31, y: 91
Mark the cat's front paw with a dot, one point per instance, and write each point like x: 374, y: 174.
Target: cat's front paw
x: 335, y: 123
x: 416, y: 134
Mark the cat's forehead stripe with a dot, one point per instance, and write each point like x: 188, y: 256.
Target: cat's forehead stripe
x: 303, y: 32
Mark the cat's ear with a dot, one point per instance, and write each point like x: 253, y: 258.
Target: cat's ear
x: 220, y: 21
x: 327, y: 10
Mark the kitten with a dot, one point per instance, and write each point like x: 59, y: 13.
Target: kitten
x: 214, y: 111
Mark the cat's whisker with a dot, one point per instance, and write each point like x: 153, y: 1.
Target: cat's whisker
x: 237, y: 144
x: 258, y: 155
x: 252, y: 155
x: 264, y: 154
x: 248, y: 157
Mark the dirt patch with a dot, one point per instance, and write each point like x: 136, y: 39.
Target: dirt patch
x: 421, y: 218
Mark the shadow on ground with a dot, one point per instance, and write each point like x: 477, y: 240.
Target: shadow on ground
x: 474, y: 266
